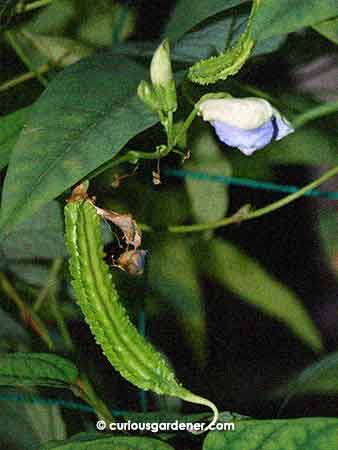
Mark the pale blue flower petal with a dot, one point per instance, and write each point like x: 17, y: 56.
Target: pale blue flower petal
x: 283, y: 127
x: 248, y: 141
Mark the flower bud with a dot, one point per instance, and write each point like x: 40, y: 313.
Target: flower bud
x: 160, y: 68
x: 162, y: 78
x: 246, y: 123
x: 147, y: 95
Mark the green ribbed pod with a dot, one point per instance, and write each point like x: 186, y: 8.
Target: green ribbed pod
x: 128, y: 351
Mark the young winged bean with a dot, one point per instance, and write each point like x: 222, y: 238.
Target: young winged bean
x: 128, y: 351
x: 229, y: 63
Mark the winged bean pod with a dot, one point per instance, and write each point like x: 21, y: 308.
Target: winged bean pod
x: 219, y: 67
x: 129, y: 352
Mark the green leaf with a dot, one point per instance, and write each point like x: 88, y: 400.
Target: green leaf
x: 53, y: 18
x: 55, y: 50
x: 10, y: 128
x: 319, y: 433
x: 275, y: 17
x: 209, y: 200
x: 91, y: 441
x: 173, y: 275
x: 250, y: 281
x: 188, y: 13
x: 212, y: 39
x: 82, y: 120
x: 319, y: 378
x: 11, y: 330
x: 36, y: 369
x: 225, y: 64
x: 40, y: 236
x: 329, y: 29
x: 302, y: 147
x: 327, y: 231
x: 30, y: 272
x: 37, y: 423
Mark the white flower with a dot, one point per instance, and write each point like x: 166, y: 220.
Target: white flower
x: 246, y: 123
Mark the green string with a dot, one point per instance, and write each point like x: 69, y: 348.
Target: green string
x: 252, y: 184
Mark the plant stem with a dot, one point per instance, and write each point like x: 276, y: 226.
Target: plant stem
x: 186, y: 125
x: 51, y: 281
x: 132, y: 156
x: 24, y: 58
x: 24, y: 77
x: 61, y: 323
x: 30, y: 6
x: 315, y: 113
x: 49, y: 291
x: 89, y: 395
x: 250, y: 215
x: 28, y: 316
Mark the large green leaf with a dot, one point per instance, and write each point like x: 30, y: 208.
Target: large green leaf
x: 329, y: 29
x: 298, y: 434
x: 40, y: 236
x: 91, y: 441
x: 217, y: 35
x: 36, y: 369
x: 85, y: 116
x: 285, y: 16
x: 188, y: 13
x: 10, y: 128
x: 173, y: 276
x: 250, y: 281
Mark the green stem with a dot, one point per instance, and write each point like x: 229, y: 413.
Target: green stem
x: 31, y: 6
x: 251, y: 215
x: 315, y: 113
x: 186, y: 125
x: 132, y: 156
x: 169, y: 129
x: 89, y: 395
x: 50, y: 284
x: 49, y: 291
x: 22, y: 78
x: 61, y: 323
x: 24, y: 58
x: 28, y: 316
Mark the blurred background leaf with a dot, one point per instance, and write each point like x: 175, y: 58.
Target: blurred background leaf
x: 28, y: 425
x: 237, y: 272
x: 320, y: 377
x: 209, y: 200
x: 173, y: 276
